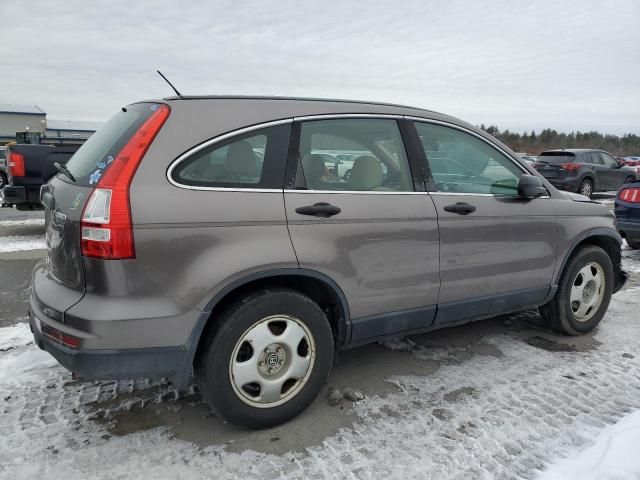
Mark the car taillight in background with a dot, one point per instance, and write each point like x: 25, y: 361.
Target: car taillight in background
x: 107, y: 230
x: 15, y: 162
x: 631, y: 195
x: 570, y: 167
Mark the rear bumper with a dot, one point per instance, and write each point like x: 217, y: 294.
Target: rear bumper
x: 630, y: 230
x: 25, y: 198
x: 113, y: 337
x: 15, y: 195
x: 90, y: 364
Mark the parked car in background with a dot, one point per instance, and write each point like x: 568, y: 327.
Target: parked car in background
x: 582, y: 170
x: 633, y: 163
x: 28, y: 168
x: 3, y: 166
x: 526, y: 157
x: 627, y: 210
x: 252, y: 275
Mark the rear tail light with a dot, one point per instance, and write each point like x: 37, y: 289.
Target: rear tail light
x: 107, y: 230
x: 631, y: 195
x: 570, y: 167
x: 60, y: 337
x: 16, y: 164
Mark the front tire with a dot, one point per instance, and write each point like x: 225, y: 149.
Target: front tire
x: 584, y: 292
x: 267, y: 360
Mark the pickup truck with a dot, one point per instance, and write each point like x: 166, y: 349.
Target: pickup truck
x: 3, y: 167
x: 28, y: 168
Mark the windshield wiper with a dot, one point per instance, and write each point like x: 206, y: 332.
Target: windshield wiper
x: 64, y: 170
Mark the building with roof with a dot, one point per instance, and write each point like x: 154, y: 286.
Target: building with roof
x: 31, y: 118
x: 69, y: 131
x: 20, y: 118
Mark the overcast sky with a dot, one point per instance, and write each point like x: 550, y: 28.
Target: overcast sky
x: 568, y: 65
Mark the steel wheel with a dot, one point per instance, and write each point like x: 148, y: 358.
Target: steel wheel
x: 587, y: 291
x: 272, y: 361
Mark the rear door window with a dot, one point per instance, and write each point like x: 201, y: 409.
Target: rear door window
x: 354, y: 154
x: 251, y: 160
x: 96, y: 155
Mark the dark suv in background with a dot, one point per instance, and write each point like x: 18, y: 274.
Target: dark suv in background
x: 206, y: 235
x: 582, y: 170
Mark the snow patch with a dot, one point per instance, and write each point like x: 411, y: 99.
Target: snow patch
x: 613, y: 455
x: 21, y: 242
x: 17, y: 223
x: 15, y: 336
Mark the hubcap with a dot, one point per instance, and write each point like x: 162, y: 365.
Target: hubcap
x: 587, y: 291
x: 272, y: 361
x: 586, y: 189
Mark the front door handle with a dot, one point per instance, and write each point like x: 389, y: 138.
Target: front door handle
x: 461, y: 208
x: 321, y: 209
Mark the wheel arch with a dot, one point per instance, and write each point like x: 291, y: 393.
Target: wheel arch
x: 318, y: 286
x: 607, y: 239
x: 592, y: 178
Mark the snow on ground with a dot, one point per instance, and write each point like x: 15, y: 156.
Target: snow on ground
x: 15, y: 336
x: 510, y: 414
x: 18, y: 223
x: 613, y: 456
x: 21, y: 242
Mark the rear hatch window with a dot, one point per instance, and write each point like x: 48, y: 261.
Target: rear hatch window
x: 64, y: 200
x: 92, y: 160
x: 557, y: 157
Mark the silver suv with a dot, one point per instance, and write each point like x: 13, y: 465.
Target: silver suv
x: 209, y: 237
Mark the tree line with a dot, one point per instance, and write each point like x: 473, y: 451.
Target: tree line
x: 547, y: 139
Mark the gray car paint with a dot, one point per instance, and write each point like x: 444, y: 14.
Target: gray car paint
x: 385, y: 252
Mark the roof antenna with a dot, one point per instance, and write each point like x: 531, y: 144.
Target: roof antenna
x: 170, y: 84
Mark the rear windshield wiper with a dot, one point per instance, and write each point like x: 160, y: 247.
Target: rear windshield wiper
x: 64, y: 170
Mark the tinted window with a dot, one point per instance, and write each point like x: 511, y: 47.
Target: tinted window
x: 108, y: 141
x: 596, y: 158
x: 354, y: 154
x: 60, y: 157
x: 462, y: 163
x: 251, y: 160
x: 608, y: 160
x: 557, y: 157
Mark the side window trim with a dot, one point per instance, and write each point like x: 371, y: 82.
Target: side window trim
x: 213, y: 141
x: 430, y: 181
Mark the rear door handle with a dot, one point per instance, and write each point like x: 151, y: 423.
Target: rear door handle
x: 461, y: 208
x: 321, y: 209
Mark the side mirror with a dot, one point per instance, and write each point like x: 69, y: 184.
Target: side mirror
x: 531, y: 186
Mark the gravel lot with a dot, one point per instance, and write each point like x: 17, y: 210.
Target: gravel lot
x: 502, y: 398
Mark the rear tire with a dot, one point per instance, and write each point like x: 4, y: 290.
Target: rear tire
x: 584, y: 292
x: 267, y: 360
x: 586, y: 188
